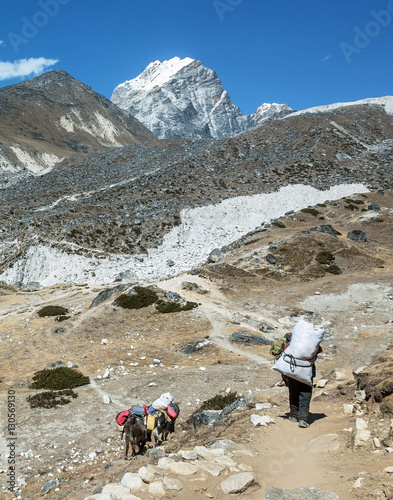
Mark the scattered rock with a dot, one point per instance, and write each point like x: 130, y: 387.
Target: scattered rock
x: 172, y: 296
x: 388, y: 470
x: 360, y: 396
x: 239, y: 483
x: 157, y: 489
x: 188, y: 454
x: 106, y: 400
x: 59, y: 330
x: 213, y: 469
x: 325, y: 228
x: 263, y: 406
x: 150, y: 473
x: 265, y: 327
x: 322, y: 382
x: 373, y: 206
x: 192, y: 347
x: 172, y: 484
x: 348, y: 409
x: 115, y: 490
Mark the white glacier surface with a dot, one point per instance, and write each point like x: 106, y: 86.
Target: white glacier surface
x: 187, y: 245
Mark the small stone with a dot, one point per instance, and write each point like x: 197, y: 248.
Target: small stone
x: 239, y: 483
x: 340, y: 376
x: 357, y: 235
x: 358, y: 482
x: 263, y: 406
x: 59, y: 330
x: 271, y: 258
x: 165, y: 463
x: 322, y: 382
x: 104, y: 341
x: 389, y: 470
x: 257, y: 420
x: 376, y: 442
x: 348, y: 409
x: 106, y: 400
x: 183, y: 469
x: 106, y: 374
x: 149, y: 473
x: 115, y: 490
x: 215, y: 255
x: 360, y: 396
x: 245, y: 468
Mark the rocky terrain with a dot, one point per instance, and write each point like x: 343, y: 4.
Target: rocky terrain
x: 124, y: 203
x: 54, y: 115
x: 181, y: 98
x: 259, y: 285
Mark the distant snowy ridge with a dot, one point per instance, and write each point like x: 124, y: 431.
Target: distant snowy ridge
x: 181, y: 98
x: 386, y: 101
x: 187, y: 245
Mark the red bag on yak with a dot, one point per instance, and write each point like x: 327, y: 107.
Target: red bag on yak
x: 173, y: 410
x: 139, y: 410
x: 122, y: 417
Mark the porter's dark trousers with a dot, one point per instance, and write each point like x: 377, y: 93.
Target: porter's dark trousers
x: 299, y: 399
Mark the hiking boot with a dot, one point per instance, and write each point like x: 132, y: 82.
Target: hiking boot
x: 303, y: 423
x: 293, y: 419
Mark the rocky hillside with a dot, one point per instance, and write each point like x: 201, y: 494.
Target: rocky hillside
x: 127, y: 201
x: 181, y: 98
x: 54, y: 115
x: 256, y: 290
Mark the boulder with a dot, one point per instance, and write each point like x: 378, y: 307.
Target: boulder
x: 49, y: 485
x: 357, y: 235
x: 105, y: 294
x: 150, y: 473
x: 132, y: 481
x: 239, y: 483
x: 360, y: 436
x: 173, y: 484
x: 212, y: 468
x: 31, y: 286
x: 265, y: 327
x: 215, y: 255
x: 115, y: 490
x: 157, y: 489
x: 192, y: 347
x: 271, y: 258
x: 299, y: 494
x: 250, y: 338
x: 325, y: 228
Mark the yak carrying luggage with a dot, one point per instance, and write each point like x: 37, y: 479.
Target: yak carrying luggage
x: 138, y: 410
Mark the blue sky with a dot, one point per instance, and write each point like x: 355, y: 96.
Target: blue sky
x: 301, y: 53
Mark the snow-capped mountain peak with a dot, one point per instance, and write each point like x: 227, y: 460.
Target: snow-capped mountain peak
x: 268, y: 112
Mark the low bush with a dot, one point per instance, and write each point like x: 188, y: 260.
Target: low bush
x: 333, y: 269
x: 143, y: 298
x: 324, y: 258
x: 59, y: 378
x: 52, y: 399
x: 52, y: 311
x: 312, y: 211
x: 171, y: 307
x: 218, y: 402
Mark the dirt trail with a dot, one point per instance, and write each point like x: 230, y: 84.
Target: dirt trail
x: 218, y: 310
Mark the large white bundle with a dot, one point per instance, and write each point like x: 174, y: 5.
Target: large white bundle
x: 163, y: 401
x: 297, y: 359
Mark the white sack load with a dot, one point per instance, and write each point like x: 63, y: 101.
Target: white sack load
x: 297, y: 359
x: 163, y: 401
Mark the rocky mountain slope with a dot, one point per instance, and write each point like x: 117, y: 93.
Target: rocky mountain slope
x: 134, y: 355
x: 123, y: 204
x: 53, y: 115
x: 181, y: 98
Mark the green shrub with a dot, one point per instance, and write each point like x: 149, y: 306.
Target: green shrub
x: 52, y: 311
x: 321, y: 204
x: 351, y: 207
x: 312, y: 211
x: 51, y: 399
x: 62, y: 318
x: 325, y: 258
x: 171, y: 307
x: 143, y: 298
x: 218, y: 402
x: 59, y: 378
x: 334, y: 269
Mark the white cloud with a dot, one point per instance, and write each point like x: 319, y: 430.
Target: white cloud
x: 24, y: 67
x: 326, y: 58
x: 2, y: 42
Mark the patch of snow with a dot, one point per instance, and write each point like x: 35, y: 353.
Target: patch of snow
x: 188, y: 244
x: 157, y: 73
x: 386, y: 101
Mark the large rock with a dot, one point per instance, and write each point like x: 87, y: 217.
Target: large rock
x: 149, y: 473
x: 357, y: 235
x: 299, y: 494
x: 132, y: 481
x: 49, y: 485
x: 31, y: 286
x: 105, y: 294
x: 116, y: 491
x: 239, y: 483
x: 215, y: 255
x: 250, y: 338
